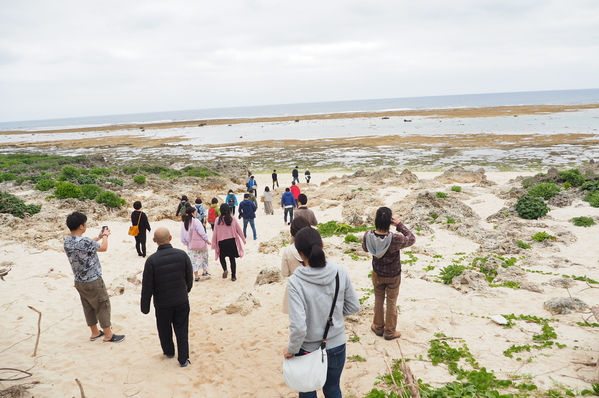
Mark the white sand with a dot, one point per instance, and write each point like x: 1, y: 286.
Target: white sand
x: 240, y: 356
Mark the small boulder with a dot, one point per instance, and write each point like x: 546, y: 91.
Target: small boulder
x: 561, y: 306
x: 268, y: 275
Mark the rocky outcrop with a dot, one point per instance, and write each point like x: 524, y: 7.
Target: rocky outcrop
x: 268, y: 275
x: 458, y: 174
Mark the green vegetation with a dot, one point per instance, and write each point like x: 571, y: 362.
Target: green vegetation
x: 66, y: 190
x: 354, y: 338
x: 531, y: 208
x: 450, y: 220
x: 572, y: 176
x: 523, y: 245
x: 110, y: 199
x: 545, y: 190
x: 90, y: 191
x: 44, y: 185
x: 86, y: 179
x: 355, y: 358
x: 332, y: 228
x: 350, y: 238
x: 99, y: 171
x: 441, y: 195
x: 115, y: 181
x: 541, y: 236
x: 17, y: 207
x: 593, y: 198
x: 201, y: 172
x: 456, y: 188
x: 448, y: 273
x: 130, y: 170
x: 583, y: 221
x: 140, y: 179
x: 592, y: 186
x: 68, y: 173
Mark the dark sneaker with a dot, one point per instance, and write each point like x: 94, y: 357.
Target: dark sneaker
x: 116, y: 338
x: 225, y: 274
x: 187, y: 363
x: 233, y: 279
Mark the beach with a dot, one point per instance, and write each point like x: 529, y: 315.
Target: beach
x: 237, y: 330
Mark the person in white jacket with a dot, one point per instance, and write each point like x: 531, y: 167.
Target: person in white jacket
x: 199, y: 258
x: 311, y: 289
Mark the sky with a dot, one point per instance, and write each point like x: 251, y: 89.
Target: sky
x: 71, y: 58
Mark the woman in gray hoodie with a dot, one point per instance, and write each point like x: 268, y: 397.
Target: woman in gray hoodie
x: 386, y: 269
x: 311, y: 290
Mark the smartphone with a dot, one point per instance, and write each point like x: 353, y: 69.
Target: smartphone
x: 105, y: 227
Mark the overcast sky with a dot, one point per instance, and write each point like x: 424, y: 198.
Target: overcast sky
x: 64, y: 58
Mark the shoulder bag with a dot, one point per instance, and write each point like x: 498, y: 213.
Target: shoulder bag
x: 308, y: 372
x: 196, y: 243
x: 134, y: 229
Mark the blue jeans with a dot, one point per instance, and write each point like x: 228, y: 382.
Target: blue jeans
x: 331, y: 389
x: 288, y: 210
x: 245, y: 226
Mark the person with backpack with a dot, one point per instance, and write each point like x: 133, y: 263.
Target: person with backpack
x: 247, y: 211
x: 213, y: 212
x: 231, y: 200
x: 201, y: 213
x: 181, y: 205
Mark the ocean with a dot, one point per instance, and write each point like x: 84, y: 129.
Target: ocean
x: 561, y: 97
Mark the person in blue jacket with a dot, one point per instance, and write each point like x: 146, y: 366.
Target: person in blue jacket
x: 253, y: 186
x: 247, y: 211
x: 288, y: 202
x: 231, y: 201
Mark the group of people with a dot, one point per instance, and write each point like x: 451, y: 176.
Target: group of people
x: 169, y: 274
x: 294, y: 177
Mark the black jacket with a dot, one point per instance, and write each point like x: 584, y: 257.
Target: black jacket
x: 168, y: 276
x: 144, y: 224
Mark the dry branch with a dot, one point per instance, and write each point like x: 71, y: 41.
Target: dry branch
x: 408, y: 376
x: 39, y: 328
x: 80, y: 388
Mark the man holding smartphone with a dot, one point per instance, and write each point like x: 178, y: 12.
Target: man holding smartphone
x: 83, y: 255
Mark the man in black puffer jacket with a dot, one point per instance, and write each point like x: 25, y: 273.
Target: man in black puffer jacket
x: 168, y: 276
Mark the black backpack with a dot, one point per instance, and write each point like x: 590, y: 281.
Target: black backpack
x: 231, y: 202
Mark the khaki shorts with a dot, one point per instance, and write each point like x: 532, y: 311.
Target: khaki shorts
x: 95, y: 302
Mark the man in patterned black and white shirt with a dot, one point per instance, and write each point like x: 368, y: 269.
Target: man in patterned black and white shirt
x: 83, y: 255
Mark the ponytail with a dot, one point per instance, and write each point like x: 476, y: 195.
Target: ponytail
x: 309, y: 243
x: 382, y: 220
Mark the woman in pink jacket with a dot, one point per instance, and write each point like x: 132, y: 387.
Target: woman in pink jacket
x: 226, y: 240
x: 199, y: 258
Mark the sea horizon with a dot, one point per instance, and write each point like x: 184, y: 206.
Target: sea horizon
x: 549, y: 97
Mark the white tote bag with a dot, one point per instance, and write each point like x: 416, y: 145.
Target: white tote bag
x: 307, y: 372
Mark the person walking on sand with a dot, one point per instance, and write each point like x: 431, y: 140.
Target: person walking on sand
x: 168, y: 277
x: 313, y: 289
x: 295, y: 190
x: 275, y: 179
x: 83, y: 256
x: 247, y: 211
x: 179, y: 213
x: 288, y: 203
x: 213, y: 212
x: 253, y: 186
x: 140, y: 219
x: 198, y: 255
x: 226, y: 241
x: 308, y: 176
x: 386, y: 269
x: 295, y: 175
x: 201, y: 212
x: 303, y: 211
x: 267, y: 199
x: 231, y: 200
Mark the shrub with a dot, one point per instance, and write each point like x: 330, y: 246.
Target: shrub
x: 593, y: 198
x: 331, y: 228
x: 351, y: 238
x: 44, y: 185
x: 90, y: 191
x: 140, y: 179
x: 86, y: 179
x: 115, y: 181
x: 100, y: 171
x: 573, y: 176
x: 541, y: 236
x: 110, y: 199
x: 592, y: 186
x: 448, y: 273
x: 199, y: 172
x: 68, y: 173
x: 523, y: 245
x: 12, y: 205
x: 583, y: 221
x: 169, y: 174
x: 531, y: 208
x: 456, y: 188
x: 8, y: 177
x: 130, y: 170
x: 545, y: 190
x: 153, y: 169
x: 67, y: 190
x: 441, y: 195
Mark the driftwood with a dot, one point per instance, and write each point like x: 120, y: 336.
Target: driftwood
x: 80, y: 388
x: 27, y: 374
x: 408, y: 376
x: 39, y: 329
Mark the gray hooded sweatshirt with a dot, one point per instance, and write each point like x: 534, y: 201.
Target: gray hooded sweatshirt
x: 311, y: 292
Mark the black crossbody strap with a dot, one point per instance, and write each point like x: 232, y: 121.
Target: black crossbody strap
x: 330, y: 319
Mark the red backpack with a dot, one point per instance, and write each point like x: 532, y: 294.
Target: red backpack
x: 211, y: 214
